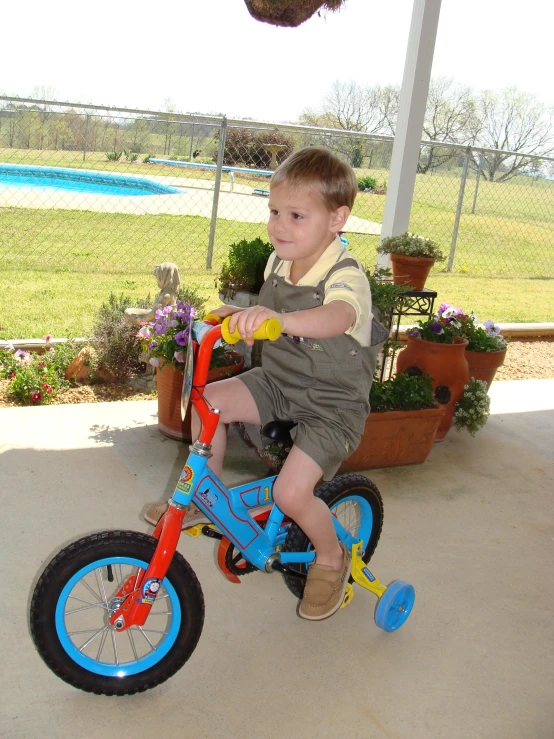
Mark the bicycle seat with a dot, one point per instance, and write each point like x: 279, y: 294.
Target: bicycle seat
x: 279, y: 431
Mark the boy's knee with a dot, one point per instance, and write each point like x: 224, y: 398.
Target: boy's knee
x: 288, y: 497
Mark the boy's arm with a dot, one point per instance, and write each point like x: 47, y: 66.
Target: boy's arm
x: 322, y: 322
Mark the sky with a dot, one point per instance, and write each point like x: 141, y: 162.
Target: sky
x: 211, y: 56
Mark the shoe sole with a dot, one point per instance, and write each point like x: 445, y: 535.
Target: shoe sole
x: 336, y: 607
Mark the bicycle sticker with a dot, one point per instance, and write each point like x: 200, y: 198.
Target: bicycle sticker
x: 150, y: 591
x: 185, y: 481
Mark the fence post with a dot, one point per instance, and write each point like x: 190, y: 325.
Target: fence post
x: 477, y: 183
x: 217, y: 186
x: 85, y: 141
x: 458, y: 211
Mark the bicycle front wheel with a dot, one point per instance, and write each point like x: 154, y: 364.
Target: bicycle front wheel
x: 357, y: 504
x: 76, y: 596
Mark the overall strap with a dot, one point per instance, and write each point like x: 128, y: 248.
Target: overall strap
x: 348, y: 262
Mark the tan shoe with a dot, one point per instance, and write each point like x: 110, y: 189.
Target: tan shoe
x: 193, y: 516
x: 325, y: 588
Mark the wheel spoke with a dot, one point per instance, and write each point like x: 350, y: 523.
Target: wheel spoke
x: 112, y: 632
x: 129, y: 634
x: 144, y: 635
x: 91, y: 590
x: 100, y: 631
x: 96, y: 572
x: 85, y: 608
x: 102, y: 642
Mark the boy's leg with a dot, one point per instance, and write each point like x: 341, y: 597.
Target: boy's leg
x: 236, y: 403
x: 294, y: 494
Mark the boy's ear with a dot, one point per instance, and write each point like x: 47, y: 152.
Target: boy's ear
x: 339, y: 218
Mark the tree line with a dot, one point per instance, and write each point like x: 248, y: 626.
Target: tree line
x: 509, y: 119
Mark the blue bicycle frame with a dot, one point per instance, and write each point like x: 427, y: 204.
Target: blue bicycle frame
x: 228, y: 509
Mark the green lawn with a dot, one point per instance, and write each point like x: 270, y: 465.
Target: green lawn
x: 56, y: 266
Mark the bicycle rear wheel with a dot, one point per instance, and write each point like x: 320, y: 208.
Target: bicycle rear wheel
x: 76, y: 596
x: 358, y: 505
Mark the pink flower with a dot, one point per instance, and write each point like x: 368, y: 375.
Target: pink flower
x: 179, y: 356
x: 154, y: 361
x: 145, y: 332
x: 36, y: 397
x: 47, y: 338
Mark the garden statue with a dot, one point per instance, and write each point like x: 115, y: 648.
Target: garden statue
x: 167, y: 275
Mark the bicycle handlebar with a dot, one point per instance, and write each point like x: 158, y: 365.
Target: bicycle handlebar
x: 270, y: 329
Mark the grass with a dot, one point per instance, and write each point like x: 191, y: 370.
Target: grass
x: 58, y: 266
x: 65, y: 303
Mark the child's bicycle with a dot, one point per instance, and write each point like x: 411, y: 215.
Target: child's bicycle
x: 120, y: 611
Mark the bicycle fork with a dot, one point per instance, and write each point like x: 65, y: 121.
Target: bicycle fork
x: 140, y: 589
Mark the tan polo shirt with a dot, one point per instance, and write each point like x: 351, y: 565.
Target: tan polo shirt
x: 348, y: 284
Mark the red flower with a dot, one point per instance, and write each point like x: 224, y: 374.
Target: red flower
x: 47, y: 387
x: 41, y: 364
x: 12, y: 375
x: 36, y: 397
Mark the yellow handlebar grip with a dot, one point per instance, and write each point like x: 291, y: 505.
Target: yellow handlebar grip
x: 270, y: 329
x: 213, y: 317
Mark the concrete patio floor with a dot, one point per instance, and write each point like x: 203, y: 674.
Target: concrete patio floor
x: 471, y: 528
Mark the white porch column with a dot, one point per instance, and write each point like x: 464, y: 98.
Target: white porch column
x: 413, y: 99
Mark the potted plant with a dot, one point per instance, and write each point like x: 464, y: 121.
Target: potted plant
x: 165, y: 340
x: 400, y: 429
x: 473, y: 408
x: 289, y: 13
x: 412, y: 257
x: 437, y: 347
x: 486, y: 349
x: 242, y: 276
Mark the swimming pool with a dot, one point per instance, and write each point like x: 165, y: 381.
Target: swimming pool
x: 76, y: 180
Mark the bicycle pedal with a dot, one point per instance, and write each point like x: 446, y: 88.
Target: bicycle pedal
x: 195, y: 531
x: 348, y: 595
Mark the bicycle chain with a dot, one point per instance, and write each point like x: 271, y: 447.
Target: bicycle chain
x: 232, y: 557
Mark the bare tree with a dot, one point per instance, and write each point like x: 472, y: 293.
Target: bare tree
x: 356, y: 108
x: 450, y: 115
x: 515, y: 121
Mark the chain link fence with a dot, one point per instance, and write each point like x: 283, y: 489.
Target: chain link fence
x: 115, y: 190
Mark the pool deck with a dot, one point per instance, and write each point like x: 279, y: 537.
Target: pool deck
x: 196, y: 199
x: 472, y: 528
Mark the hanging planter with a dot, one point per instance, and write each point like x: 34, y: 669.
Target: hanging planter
x: 290, y: 13
x: 170, y: 383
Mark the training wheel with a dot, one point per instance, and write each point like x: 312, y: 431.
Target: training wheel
x: 348, y: 595
x: 394, y: 606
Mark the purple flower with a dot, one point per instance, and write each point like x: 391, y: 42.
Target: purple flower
x: 154, y: 361
x: 167, y: 310
x: 144, y: 332
x: 158, y: 314
x: 152, y: 345
x: 182, y: 338
x: 491, y: 328
x: 442, y: 308
x: 173, y: 323
x: 179, y: 356
x: 436, y: 328
x: 181, y: 305
x: 160, y: 328
x: 413, y: 332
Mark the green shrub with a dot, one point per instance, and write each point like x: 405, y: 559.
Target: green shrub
x: 245, y: 267
x: 402, y: 393
x: 114, y: 338
x: 114, y: 156
x: 366, y: 183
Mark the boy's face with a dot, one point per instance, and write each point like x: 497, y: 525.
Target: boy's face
x: 300, y: 226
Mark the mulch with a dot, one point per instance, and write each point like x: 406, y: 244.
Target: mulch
x: 525, y: 360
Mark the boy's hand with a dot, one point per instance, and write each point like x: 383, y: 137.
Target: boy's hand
x: 248, y: 320
x: 225, y: 310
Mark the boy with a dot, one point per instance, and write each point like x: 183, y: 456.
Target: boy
x: 319, y: 372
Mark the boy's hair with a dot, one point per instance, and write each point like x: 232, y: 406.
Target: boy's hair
x: 316, y: 166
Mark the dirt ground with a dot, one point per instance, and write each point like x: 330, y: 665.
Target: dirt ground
x: 525, y: 360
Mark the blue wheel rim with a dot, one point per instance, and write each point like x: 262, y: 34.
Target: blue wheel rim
x: 394, y: 606
x: 364, y: 522
x: 129, y: 667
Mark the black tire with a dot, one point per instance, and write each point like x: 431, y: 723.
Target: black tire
x: 180, y: 598
x: 334, y: 492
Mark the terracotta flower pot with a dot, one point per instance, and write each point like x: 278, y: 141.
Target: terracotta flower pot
x: 411, y: 270
x: 446, y: 364
x: 170, y: 383
x: 483, y: 365
x: 395, y: 438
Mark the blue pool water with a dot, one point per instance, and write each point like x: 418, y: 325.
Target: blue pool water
x: 75, y: 180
